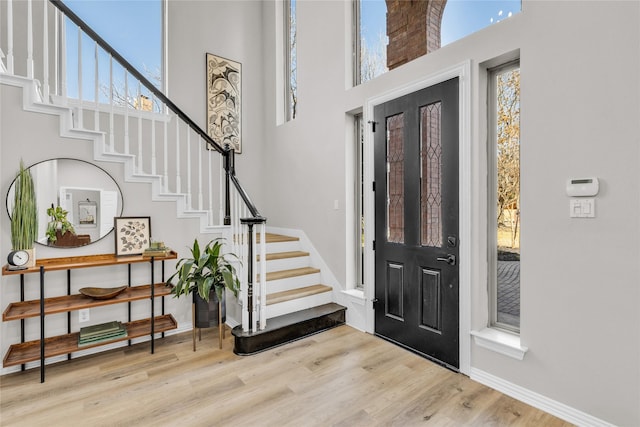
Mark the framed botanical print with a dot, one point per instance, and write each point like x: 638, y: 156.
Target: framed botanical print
x: 133, y: 234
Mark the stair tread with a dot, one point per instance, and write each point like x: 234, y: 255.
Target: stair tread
x: 285, y: 255
x: 294, y: 272
x: 277, y: 238
x: 291, y: 294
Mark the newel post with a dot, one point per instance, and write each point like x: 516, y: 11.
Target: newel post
x: 229, y: 167
x: 250, y: 222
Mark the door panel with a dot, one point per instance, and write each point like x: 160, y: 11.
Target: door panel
x: 395, y: 290
x: 416, y: 202
x: 430, y: 300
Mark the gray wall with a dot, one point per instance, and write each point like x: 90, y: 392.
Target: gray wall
x: 580, y: 107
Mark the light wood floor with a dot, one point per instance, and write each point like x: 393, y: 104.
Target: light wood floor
x: 341, y: 377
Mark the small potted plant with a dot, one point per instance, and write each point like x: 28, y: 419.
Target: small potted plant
x: 24, y: 215
x: 58, y: 225
x: 205, y: 275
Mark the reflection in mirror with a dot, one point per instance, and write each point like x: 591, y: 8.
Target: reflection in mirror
x: 88, y: 193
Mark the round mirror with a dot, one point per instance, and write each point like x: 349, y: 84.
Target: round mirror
x: 88, y: 194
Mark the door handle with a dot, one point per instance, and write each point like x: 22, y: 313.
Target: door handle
x: 449, y: 259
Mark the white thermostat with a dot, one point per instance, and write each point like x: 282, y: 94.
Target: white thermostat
x: 582, y: 187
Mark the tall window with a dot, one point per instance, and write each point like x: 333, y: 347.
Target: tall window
x: 370, y: 39
x: 137, y: 37
x: 291, y: 57
x: 359, y: 201
x: 504, y: 203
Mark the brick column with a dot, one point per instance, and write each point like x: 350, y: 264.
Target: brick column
x: 413, y: 28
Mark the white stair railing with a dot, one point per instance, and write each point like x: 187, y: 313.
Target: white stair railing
x: 127, y: 116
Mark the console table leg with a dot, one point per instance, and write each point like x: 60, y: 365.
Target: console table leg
x: 41, y: 324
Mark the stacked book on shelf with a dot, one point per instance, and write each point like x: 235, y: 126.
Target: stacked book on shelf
x: 95, y: 334
x: 156, y: 249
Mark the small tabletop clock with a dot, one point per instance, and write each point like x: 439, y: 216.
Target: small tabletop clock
x: 18, y: 260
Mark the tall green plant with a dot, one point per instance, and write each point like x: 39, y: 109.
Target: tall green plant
x: 205, y: 270
x: 24, y: 217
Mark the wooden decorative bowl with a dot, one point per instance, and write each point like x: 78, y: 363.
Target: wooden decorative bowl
x: 102, y: 293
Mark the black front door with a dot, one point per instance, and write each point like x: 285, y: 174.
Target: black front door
x: 416, y: 206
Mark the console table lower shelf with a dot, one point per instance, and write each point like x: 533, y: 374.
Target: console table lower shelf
x: 64, y: 344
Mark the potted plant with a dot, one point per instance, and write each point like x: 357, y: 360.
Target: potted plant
x: 24, y: 215
x: 205, y: 275
x: 58, y: 224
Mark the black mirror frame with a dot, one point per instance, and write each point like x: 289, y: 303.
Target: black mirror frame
x: 78, y: 160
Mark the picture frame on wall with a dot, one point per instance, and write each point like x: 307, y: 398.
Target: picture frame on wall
x: 224, y: 101
x: 87, y: 214
x: 132, y: 234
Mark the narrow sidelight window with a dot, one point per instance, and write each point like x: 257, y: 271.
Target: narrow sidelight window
x: 504, y: 196
x: 291, y: 57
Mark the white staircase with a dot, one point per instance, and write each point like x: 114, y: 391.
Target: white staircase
x: 292, y: 283
x: 164, y: 148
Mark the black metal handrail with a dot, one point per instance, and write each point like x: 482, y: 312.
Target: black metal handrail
x: 226, y: 151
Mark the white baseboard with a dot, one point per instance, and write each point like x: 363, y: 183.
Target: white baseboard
x: 536, y: 400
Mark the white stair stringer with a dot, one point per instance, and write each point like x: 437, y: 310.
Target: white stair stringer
x: 32, y: 101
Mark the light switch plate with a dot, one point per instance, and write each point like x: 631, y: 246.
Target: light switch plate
x: 582, y: 208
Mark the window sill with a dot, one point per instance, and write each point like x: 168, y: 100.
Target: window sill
x: 356, y: 295
x: 500, y: 341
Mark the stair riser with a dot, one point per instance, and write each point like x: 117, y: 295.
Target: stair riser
x: 283, y: 246
x: 288, y: 263
x: 292, y: 283
x: 298, y: 304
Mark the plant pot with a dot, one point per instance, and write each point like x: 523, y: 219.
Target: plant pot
x: 68, y: 239
x: 32, y: 257
x: 206, y: 313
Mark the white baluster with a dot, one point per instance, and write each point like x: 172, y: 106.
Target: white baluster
x: 63, y: 58
x: 189, y: 200
x: 45, y: 52
x: 166, y: 156
x: 210, y: 187
x: 153, y: 136
x: 178, y: 182
x: 199, y: 151
x: 221, y: 191
x: 10, y: 66
x: 263, y: 276
x: 126, y: 112
x: 96, y: 89
x: 79, y: 121
x: 254, y: 280
x: 30, y: 39
x: 112, y: 139
x: 140, y: 108
x: 56, y: 51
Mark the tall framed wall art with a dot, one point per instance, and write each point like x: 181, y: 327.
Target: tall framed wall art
x: 224, y: 101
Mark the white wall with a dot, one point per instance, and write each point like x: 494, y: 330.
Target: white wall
x: 233, y: 30
x: 580, y: 107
